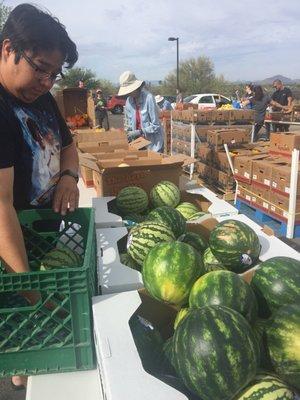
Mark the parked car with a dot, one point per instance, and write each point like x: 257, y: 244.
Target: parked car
x: 207, y: 100
x: 115, y: 104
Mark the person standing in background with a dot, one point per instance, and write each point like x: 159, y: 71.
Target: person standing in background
x: 141, y: 112
x: 163, y: 103
x: 101, y: 111
x: 179, y: 97
x: 283, y: 98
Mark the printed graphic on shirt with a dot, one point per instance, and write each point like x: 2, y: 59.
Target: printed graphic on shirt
x: 42, y: 156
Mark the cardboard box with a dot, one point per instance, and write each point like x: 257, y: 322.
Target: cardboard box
x: 74, y: 101
x: 242, y: 115
x: 231, y: 137
x: 92, y: 135
x: 204, y: 171
x: 204, y: 153
x: 284, y: 143
x: 260, y: 197
x: 220, y: 161
x: 113, y: 276
x: 243, y: 167
x: 244, y: 191
x: 279, y: 206
x: 281, y: 177
x: 221, y: 115
x: 226, y: 180
x: 262, y: 170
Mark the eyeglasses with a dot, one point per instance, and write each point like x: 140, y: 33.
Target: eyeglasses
x: 42, y: 74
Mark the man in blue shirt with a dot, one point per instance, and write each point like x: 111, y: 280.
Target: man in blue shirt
x: 141, y: 112
x: 163, y: 103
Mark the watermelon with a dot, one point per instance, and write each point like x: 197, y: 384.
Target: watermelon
x: 167, y: 366
x: 197, y: 215
x: 134, y: 218
x: 132, y: 199
x: 165, y: 193
x: 180, y: 315
x: 61, y: 257
x: 283, y: 342
x: 259, y: 327
x: 129, y: 261
x: 146, y: 235
x: 276, y: 282
x: 195, y: 240
x: 215, y: 352
x: 235, y: 244
x: 170, y: 270
x: 170, y: 217
x: 266, y: 387
x: 224, y: 288
x: 210, y: 262
x: 187, y: 209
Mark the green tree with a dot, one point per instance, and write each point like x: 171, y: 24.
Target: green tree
x: 196, y: 75
x: 4, y: 13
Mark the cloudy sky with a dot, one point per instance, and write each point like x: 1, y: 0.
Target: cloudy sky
x: 246, y: 40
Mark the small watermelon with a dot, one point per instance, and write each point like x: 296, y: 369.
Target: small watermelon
x: 215, y: 352
x: 132, y: 199
x: 283, y: 342
x: 165, y: 193
x: 211, y: 263
x: 187, y: 209
x: 235, y: 244
x: 180, y: 315
x: 170, y: 217
x: 195, y: 240
x: 266, y: 387
x: 129, y: 261
x: 61, y: 257
x: 170, y: 270
x: 224, y: 288
x: 197, y: 216
x: 143, y: 237
x: 276, y: 282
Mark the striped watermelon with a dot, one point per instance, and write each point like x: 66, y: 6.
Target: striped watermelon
x: 224, y: 288
x: 129, y: 261
x: 235, y: 244
x: 215, y: 352
x: 170, y: 270
x: 61, y: 257
x: 195, y: 240
x: 167, y: 366
x: 180, y: 315
x: 197, y: 216
x: 132, y: 199
x: 283, y: 342
x: 170, y: 217
x: 276, y: 282
x: 210, y: 262
x: 266, y: 387
x: 143, y: 237
x: 187, y: 209
x: 259, y: 327
x: 165, y: 193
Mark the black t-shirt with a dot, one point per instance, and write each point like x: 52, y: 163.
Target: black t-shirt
x: 31, y: 139
x: 281, y: 96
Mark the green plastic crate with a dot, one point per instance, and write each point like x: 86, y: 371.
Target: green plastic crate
x: 36, y: 340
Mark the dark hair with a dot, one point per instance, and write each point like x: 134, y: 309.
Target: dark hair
x: 250, y: 86
x: 277, y: 81
x: 258, y: 93
x: 29, y: 28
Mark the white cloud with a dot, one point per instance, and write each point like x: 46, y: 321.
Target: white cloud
x: 245, y: 40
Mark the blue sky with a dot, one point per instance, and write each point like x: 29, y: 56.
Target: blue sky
x: 246, y: 40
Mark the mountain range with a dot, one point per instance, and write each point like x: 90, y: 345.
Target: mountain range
x: 284, y: 79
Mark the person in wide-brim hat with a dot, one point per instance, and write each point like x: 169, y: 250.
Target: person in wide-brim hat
x: 163, y: 103
x: 141, y: 111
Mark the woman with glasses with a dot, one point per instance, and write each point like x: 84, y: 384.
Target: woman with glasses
x: 34, y: 47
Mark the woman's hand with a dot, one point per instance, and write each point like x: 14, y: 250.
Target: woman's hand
x: 66, y: 195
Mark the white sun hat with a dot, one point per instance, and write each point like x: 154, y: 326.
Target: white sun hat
x: 158, y: 98
x: 128, y: 83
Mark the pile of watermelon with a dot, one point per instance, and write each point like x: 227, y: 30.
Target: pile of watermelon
x: 232, y: 340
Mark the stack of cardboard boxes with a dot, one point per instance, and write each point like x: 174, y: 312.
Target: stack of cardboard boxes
x: 109, y: 163
x: 264, y: 179
x: 213, y: 166
x: 211, y: 116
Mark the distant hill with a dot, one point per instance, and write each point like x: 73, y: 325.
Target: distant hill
x: 284, y: 79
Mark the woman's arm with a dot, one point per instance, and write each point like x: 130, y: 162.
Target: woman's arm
x: 154, y: 123
x: 66, y: 193
x: 12, y: 247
